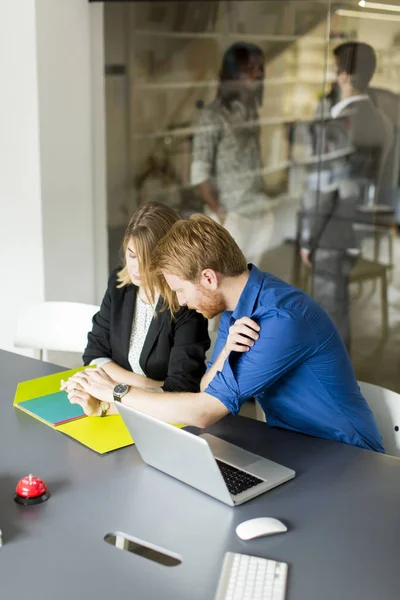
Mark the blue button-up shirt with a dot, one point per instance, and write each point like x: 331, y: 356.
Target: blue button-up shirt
x: 298, y: 369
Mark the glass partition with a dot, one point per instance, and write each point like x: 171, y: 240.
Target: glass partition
x: 243, y: 110
x: 369, y: 187
x: 163, y: 64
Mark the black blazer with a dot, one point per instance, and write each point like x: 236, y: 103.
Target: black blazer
x: 174, y: 349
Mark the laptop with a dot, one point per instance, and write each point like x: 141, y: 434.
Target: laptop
x: 207, y: 463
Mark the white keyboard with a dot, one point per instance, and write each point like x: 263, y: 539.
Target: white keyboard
x: 246, y: 577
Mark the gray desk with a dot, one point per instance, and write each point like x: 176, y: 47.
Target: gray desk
x: 342, y: 509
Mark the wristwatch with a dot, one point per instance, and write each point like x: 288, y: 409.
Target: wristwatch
x: 104, y: 407
x: 120, y: 390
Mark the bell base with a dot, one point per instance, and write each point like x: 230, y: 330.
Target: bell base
x: 23, y: 501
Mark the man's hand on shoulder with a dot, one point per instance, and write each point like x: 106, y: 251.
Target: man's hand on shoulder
x: 242, y: 336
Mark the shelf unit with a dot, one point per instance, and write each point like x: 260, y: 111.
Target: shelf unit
x: 272, y: 81
x: 190, y: 131
x: 163, y: 81
x: 175, y: 34
x: 287, y: 164
x: 233, y: 35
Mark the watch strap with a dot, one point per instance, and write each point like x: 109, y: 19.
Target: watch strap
x: 118, y: 396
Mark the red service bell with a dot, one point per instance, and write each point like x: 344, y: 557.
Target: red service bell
x: 31, y: 490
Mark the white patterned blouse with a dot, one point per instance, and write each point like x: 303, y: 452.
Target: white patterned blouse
x: 142, y: 318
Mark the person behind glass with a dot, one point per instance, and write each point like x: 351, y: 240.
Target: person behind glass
x: 135, y: 339
x: 363, y: 136
x: 226, y: 164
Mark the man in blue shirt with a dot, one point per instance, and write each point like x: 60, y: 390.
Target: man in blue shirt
x: 275, y: 344
x: 298, y: 369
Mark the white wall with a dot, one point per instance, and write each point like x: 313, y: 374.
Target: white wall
x: 99, y: 154
x: 21, y: 240
x: 64, y: 52
x: 52, y: 175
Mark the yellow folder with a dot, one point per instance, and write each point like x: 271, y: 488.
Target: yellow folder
x: 100, y: 435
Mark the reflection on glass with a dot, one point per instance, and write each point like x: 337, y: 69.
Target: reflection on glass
x: 144, y: 549
x: 226, y: 160
x: 273, y: 167
x: 352, y: 139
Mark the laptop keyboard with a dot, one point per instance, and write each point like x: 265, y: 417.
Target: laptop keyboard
x: 237, y: 481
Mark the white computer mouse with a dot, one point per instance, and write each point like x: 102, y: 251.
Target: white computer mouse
x: 255, y: 528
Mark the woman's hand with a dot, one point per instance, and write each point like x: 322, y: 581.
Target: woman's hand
x: 90, y: 405
x: 94, y: 382
x: 242, y: 336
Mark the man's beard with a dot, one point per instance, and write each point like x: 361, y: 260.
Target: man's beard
x: 211, y: 304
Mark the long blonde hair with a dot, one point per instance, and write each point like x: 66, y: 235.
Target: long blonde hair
x: 148, y: 225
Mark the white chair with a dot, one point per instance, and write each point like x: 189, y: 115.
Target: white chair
x: 58, y: 326
x: 385, y: 405
x: 260, y: 414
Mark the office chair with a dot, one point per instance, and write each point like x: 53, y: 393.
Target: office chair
x: 363, y: 270
x: 385, y: 405
x: 389, y: 103
x: 260, y: 414
x: 58, y: 326
x: 285, y: 262
x: 389, y: 181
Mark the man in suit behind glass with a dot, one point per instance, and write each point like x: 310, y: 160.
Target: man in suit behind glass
x: 359, y: 136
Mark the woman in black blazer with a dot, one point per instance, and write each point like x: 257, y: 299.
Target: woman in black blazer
x: 135, y: 338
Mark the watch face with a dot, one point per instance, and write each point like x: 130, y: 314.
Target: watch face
x: 121, y: 389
